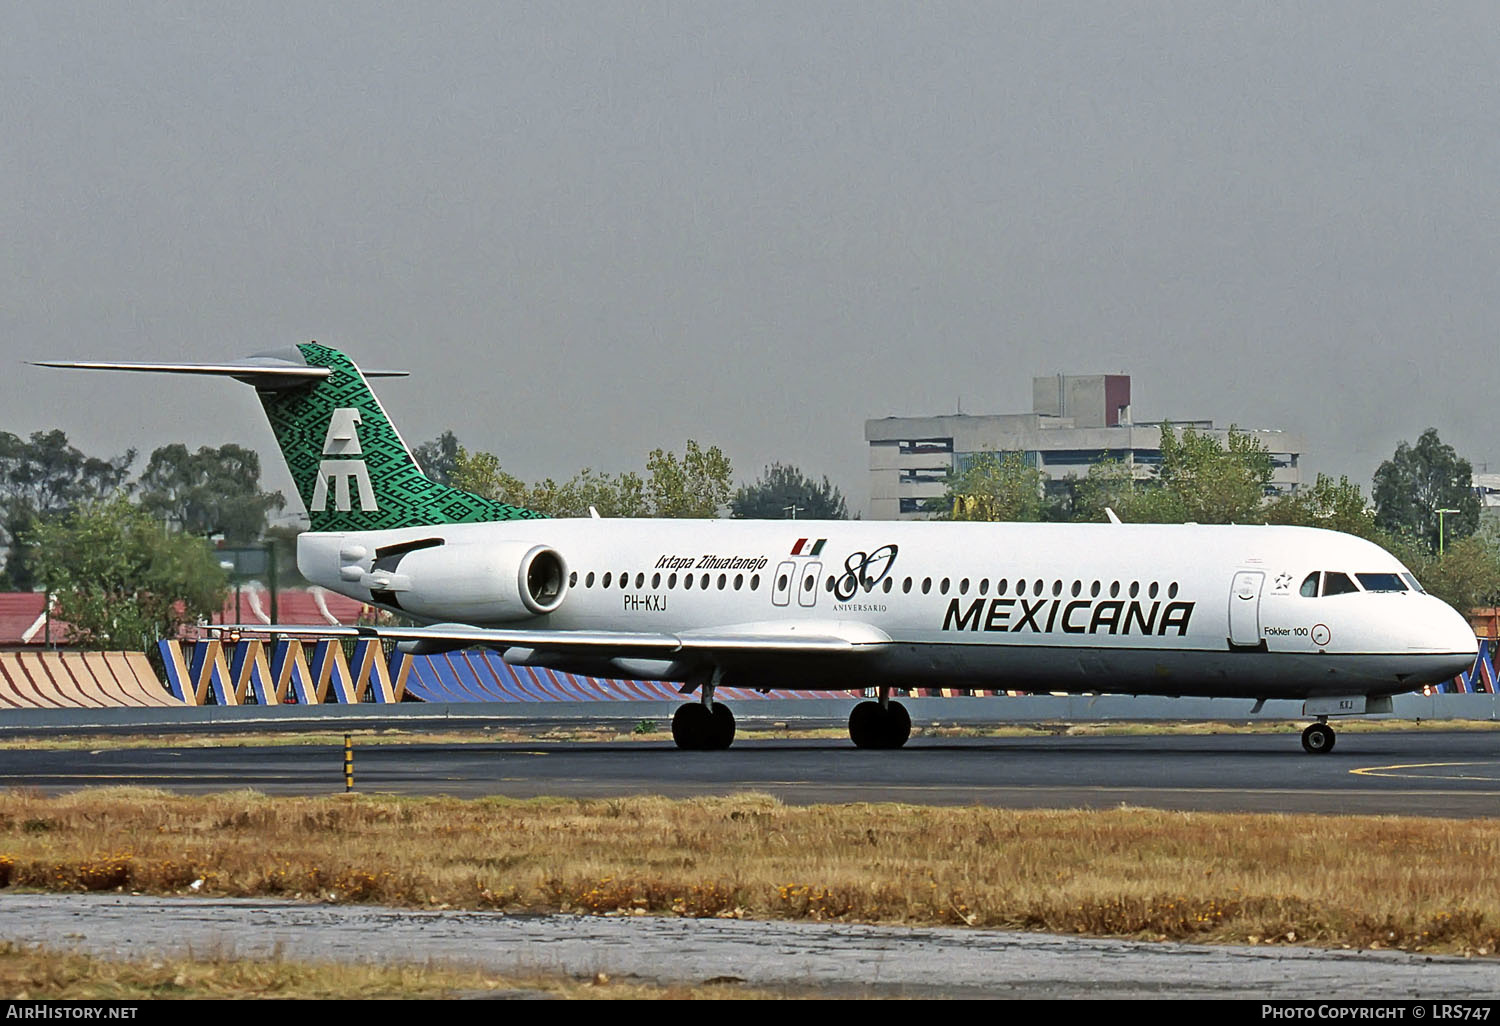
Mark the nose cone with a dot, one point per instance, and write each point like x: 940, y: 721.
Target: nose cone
x: 1448, y: 633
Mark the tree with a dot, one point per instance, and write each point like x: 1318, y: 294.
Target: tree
x: 1200, y: 480
x: 120, y: 579
x: 1336, y: 506
x: 784, y: 492
x: 698, y: 485
x: 42, y: 477
x: 480, y: 473
x: 588, y: 490
x: 1419, y: 480
x: 439, y: 457
x: 1110, y: 485
x: 209, y: 492
x: 1214, y: 483
x: 1466, y: 575
x: 995, y: 486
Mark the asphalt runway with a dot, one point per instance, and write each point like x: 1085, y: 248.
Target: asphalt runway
x: 810, y: 959
x: 1428, y: 773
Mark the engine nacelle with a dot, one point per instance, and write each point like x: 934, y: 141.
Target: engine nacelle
x: 472, y: 583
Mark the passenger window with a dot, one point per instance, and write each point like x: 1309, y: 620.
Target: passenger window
x: 755, y: 582
x: 588, y: 582
x: 889, y: 581
x: 739, y: 580
x: 1335, y: 583
x: 640, y: 580
x: 605, y: 583
x: 573, y: 579
x: 906, y: 586
x: 656, y: 580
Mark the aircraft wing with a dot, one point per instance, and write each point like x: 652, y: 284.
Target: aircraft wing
x: 805, y: 637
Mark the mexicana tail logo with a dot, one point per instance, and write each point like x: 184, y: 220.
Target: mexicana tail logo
x: 342, y: 440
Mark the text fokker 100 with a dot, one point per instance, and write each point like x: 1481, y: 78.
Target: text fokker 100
x: 1254, y: 612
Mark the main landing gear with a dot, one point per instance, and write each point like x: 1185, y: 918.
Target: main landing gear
x: 699, y: 727
x: 705, y: 726
x: 1318, y: 739
x: 882, y: 724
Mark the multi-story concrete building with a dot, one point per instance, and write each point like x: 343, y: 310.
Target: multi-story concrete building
x: 1487, y: 487
x: 1075, y: 422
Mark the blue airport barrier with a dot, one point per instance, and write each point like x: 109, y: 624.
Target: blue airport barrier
x: 311, y: 673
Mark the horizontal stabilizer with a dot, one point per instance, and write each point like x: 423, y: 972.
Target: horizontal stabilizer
x: 265, y: 371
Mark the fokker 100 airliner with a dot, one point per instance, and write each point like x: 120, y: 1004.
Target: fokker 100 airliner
x: 1253, y: 612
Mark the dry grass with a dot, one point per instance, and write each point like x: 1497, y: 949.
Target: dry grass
x: 38, y: 975
x: 1358, y: 881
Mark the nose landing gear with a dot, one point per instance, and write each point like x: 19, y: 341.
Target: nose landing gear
x: 1318, y: 739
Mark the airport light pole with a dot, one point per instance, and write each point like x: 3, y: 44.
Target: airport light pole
x: 1440, y: 513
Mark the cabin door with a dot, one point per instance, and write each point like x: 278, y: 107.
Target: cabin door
x: 783, y: 584
x: 1244, y: 608
x: 807, y: 591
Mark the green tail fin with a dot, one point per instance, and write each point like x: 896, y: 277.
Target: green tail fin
x: 351, y: 467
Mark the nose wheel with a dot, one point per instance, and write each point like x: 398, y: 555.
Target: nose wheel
x: 1318, y: 739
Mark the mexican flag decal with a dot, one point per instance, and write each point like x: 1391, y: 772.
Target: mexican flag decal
x: 803, y: 548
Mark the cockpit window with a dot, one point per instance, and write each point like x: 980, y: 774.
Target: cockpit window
x: 1381, y: 582
x: 1335, y: 583
x: 1416, y: 585
x: 1310, y: 585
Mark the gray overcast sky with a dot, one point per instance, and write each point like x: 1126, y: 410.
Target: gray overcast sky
x: 595, y: 228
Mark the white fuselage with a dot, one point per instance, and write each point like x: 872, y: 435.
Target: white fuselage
x: 1125, y: 608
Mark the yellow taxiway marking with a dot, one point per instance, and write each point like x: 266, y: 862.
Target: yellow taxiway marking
x: 1396, y: 771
